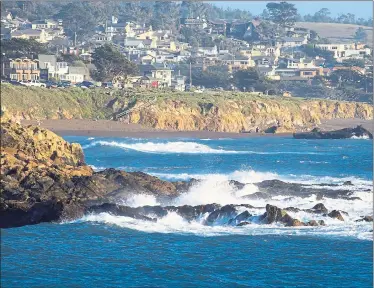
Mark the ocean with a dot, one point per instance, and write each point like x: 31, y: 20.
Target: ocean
x: 102, y: 250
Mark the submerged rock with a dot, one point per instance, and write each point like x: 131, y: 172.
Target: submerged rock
x: 245, y: 223
x: 359, y: 132
x: 365, y: 219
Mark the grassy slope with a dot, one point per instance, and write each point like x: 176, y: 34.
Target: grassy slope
x: 79, y: 103
x: 336, y: 32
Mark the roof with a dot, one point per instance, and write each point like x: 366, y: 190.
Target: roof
x: 78, y: 70
x: 30, y: 32
x: 292, y: 39
x: 132, y: 42
x: 147, y: 41
x: 262, y: 57
x: 117, y: 25
x: 152, y: 67
x: 264, y: 69
x: 47, y: 58
x: 294, y: 78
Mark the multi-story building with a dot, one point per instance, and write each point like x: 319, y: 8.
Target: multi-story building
x: 157, y: 71
x: 22, y: 69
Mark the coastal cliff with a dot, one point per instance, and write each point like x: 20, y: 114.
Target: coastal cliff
x: 182, y: 111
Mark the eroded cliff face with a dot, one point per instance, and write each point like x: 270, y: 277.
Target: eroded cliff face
x: 223, y: 112
x: 245, y: 116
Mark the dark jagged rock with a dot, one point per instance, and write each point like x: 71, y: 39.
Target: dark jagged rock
x: 275, y: 214
x: 241, y: 217
x: 236, y: 184
x: 336, y: 214
x: 345, y: 133
x: 120, y: 211
x: 226, y: 211
x: 278, y: 187
x: 365, y: 219
x: 245, y: 223
x: 321, y: 222
x: 348, y: 183
x: 320, y: 209
x: 256, y: 196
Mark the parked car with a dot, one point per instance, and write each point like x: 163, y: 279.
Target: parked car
x: 51, y: 84
x: 35, y: 83
x: 107, y: 85
x: 64, y: 84
x: 86, y: 84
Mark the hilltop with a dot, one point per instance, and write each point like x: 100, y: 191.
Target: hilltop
x: 337, y: 32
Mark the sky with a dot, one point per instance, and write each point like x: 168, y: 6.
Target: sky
x: 362, y: 9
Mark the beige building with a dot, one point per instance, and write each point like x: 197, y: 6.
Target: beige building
x: 29, y: 34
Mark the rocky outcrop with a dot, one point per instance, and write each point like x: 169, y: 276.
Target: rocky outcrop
x: 345, y: 133
x: 44, y: 178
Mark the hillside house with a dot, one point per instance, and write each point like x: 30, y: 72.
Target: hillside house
x: 157, y: 71
x: 291, y: 41
x: 37, y: 35
x: 344, y: 51
x: 22, y: 69
x: 45, y: 24
x: 234, y: 62
x: 76, y: 74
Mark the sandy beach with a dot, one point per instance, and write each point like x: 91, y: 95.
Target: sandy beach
x: 108, y: 128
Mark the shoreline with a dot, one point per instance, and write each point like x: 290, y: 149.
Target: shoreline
x: 109, y: 128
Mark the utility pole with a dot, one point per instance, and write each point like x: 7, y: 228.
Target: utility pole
x: 75, y: 38
x: 190, y: 75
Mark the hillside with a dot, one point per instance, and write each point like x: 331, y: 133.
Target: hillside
x: 336, y: 32
x: 183, y: 111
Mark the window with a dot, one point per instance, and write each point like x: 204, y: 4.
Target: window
x: 334, y: 47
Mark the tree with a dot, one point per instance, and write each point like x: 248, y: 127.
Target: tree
x: 80, y: 18
x: 282, y: 13
x: 251, y: 79
x: 312, y: 51
x: 322, y: 15
x: 15, y: 48
x: 360, y: 35
x: 111, y: 63
x: 354, y: 62
x: 214, y: 76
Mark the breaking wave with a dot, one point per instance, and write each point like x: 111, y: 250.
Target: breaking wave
x: 182, y: 147
x: 215, y: 188
x: 363, y: 137
x: 169, y: 147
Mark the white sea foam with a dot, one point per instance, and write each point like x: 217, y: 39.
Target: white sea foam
x: 183, y: 147
x: 169, y: 147
x: 97, y: 168
x: 214, y: 188
x: 91, y: 138
x: 363, y: 137
x: 251, y: 176
x: 173, y: 223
